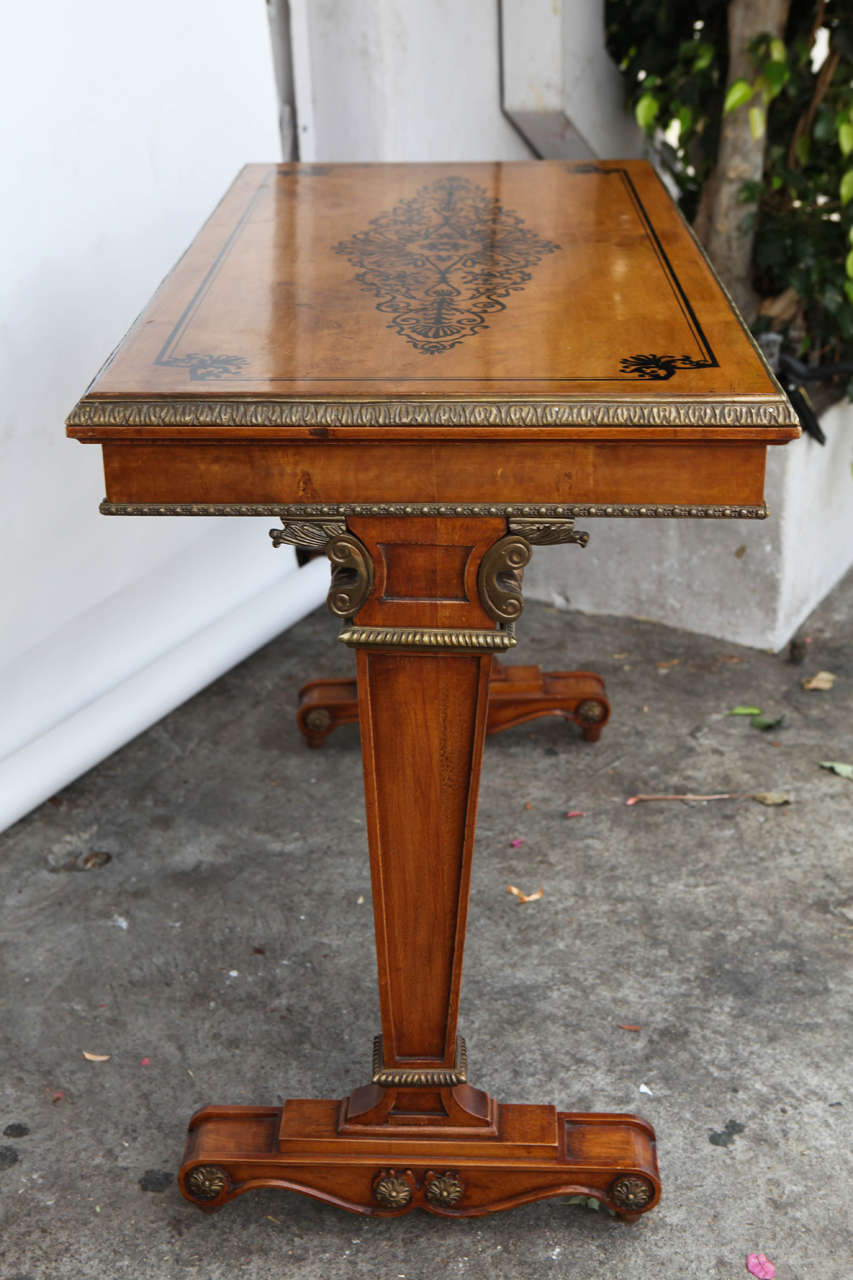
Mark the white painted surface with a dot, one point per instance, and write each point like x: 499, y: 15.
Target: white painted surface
x: 560, y: 85
x: 144, y: 692
x: 748, y: 581
x: 399, y: 80
x: 123, y: 125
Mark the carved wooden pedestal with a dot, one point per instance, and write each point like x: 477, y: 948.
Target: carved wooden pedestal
x: 426, y: 370
x: 427, y: 602
x: 516, y: 695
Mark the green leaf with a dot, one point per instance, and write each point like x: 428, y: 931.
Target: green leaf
x: 845, y: 139
x: 646, y: 110
x: 778, y: 52
x: 848, y: 266
x: 685, y: 119
x: 843, y: 770
x: 848, y: 289
x: 756, y: 122
x: 745, y: 711
x: 704, y: 57
x: 846, y: 187
x: 767, y: 722
x: 738, y: 93
x: 776, y: 76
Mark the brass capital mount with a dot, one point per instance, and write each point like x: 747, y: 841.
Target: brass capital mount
x: 498, y: 582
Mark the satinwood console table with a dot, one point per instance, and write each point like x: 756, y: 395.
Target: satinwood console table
x: 429, y: 370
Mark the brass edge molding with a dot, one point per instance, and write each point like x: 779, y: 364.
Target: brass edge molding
x: 431, y: 413
x: 427, y: 638
x: 547, y: 533
x: 402, y: 1077
x: 499, y: 577
x: 551, y: 510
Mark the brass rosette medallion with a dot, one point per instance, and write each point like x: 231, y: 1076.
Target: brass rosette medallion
x: 444, y: 1191
x: 589, y: 711
x: 206, y: 1182
x: 631, y: 1193
x: 318, y: 720
x: 392, y: 1191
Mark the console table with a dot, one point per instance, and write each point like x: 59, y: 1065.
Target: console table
x: 428, y: 371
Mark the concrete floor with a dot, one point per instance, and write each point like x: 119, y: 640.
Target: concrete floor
x: 224, y: 953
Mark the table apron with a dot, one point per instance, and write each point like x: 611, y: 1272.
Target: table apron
x: 698, y: 472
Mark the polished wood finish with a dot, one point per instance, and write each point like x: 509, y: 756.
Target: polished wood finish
x: 520, y: 472
x: 341, y: 338
x: 516, y: 695
x: 478, y: 282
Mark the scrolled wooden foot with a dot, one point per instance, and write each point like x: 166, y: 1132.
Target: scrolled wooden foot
x: 516, y: 695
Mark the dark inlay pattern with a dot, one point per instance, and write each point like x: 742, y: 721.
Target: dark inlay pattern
x: 444, y: 260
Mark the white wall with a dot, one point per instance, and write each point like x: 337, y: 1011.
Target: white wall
x: 400, y: 80
x: 748, y: 581
x: 123, y: 125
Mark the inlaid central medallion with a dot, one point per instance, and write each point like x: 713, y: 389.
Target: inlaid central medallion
x: 443, y: 261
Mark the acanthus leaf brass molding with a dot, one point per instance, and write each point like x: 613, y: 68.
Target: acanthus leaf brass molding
x: 426, y: 639
x: 547, y: 533
x: 431, y: 413
x: 307, y: 533
x: 499, y: 579
x: 550, y: 511
x: 430, y: 1077
x: 352, y: 575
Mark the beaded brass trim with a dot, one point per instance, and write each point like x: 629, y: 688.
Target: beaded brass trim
x: 426, y: 638
x: 431, y: 413
x: 305, y: 511
x: 391, y: 1077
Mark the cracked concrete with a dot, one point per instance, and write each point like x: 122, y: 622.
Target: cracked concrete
x: 223, y: 952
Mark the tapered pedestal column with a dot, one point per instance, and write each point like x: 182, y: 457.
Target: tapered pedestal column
x: 430, y: 602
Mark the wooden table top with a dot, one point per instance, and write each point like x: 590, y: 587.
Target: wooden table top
x: 527, y: 300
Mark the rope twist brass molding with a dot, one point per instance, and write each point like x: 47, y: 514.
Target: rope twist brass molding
x: 390, y: 1077
x: 427, y: 638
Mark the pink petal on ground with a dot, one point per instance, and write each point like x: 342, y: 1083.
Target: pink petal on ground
x: 145, y: 1062
x: 576, y: 813
x: 515, y: 843
x: 758, y: 1264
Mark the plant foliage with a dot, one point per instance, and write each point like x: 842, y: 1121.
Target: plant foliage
x: 675, y: 61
